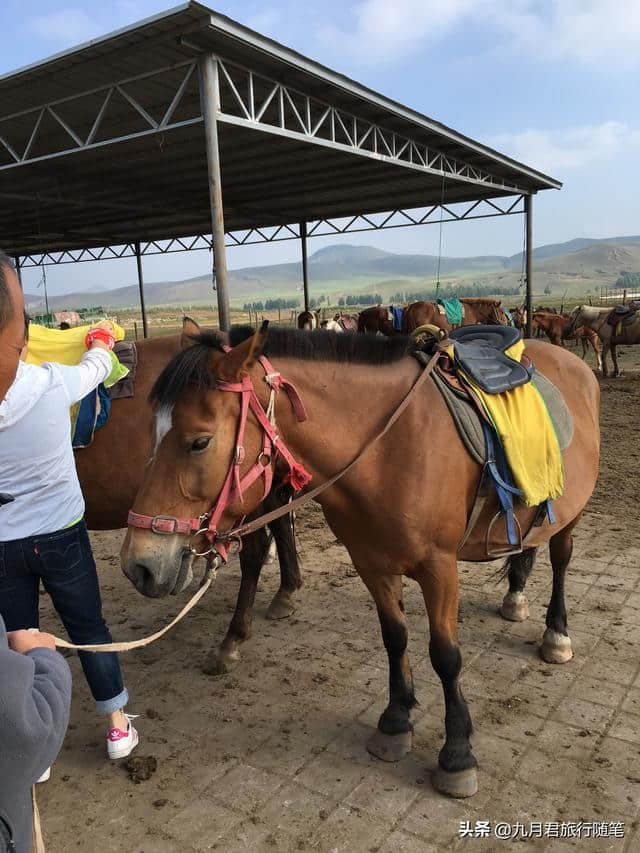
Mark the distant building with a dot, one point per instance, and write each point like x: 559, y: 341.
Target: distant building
x: 70, y: 317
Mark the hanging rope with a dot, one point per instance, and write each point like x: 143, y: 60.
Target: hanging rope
x: 440, y: 237
x: 524, y: 250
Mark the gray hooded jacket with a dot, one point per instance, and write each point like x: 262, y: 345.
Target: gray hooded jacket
x: 35, y: 695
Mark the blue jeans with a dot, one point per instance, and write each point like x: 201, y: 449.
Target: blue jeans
x: 65, y: 564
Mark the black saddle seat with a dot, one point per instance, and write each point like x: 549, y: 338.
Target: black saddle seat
x: 480, y: 353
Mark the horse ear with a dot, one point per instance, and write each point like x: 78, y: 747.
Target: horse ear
x: 233, y: 366
x: 189, y: 331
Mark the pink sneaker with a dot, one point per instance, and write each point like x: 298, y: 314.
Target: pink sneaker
x: 119, y: 743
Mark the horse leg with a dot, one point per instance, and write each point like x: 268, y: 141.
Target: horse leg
x: 515, y: 606
x: 457, y: 773
x: 392, y: 739
x: 290, y: 579
x: 584, y: 348
x: 614, y: 359
x: 605, y: 349
x: 596, y: 348
x: 556, y: 643
x: 252, y: 557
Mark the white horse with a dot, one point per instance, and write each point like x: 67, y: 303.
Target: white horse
x: 596, y: 319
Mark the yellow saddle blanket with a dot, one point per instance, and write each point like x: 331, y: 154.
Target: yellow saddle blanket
x: 67, y: 346
x: 63, y: 346
x: 529, y: 439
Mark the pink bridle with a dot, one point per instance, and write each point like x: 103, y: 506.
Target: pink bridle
x: 234, y: 485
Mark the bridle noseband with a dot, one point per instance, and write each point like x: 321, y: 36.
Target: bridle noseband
x: 234, y: 485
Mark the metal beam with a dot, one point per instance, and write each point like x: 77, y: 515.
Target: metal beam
x: 210, y: 96
x: 528, y: 213
x: 355, y: 224
x: 305, y: 265
x: 143, y: 309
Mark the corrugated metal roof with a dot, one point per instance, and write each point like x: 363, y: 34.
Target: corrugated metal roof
x: 59, y: 192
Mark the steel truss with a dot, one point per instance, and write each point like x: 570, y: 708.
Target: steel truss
x: 23, y: 137
x: 247, y: 99
x: 253, y: 101
x: 433, y: 215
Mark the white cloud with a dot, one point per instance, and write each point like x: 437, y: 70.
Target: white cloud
x: 68, y: 26
x: 573, y: 148
x: 583, y: 31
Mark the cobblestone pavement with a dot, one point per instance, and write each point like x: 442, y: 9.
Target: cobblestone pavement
x: 271, y: 757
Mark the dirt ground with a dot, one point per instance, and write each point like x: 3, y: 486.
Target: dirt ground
x: 271, y: 757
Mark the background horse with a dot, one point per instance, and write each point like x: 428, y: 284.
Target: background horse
x: 393, y: 524
x: 557, y: 328
x: 376, y: 319
x: 309, y: 320
x: 111, y: 471
x: 475, y: 311
x: 596, y: 319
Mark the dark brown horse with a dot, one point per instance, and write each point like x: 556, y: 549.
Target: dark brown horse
x: 376, y: 319
x: 557, y: 327
x: 111, y: 471
x: 487, y: 311
x: 393, y: 526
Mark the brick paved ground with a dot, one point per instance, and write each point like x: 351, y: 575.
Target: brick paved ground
x: 271, y: 757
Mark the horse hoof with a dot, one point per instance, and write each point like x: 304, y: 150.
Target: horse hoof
x: 222, y: 663
x: 555, y: 648
x: 389, y: 747
x: 461, y: 784
x: 515, y: 607
x: 281, y: 607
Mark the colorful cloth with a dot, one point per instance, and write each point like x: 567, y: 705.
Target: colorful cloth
x: 397, y: 314
x: 525, y: 428
x: 61, y: 346
x: 453, y: 309
x: 67, y: 347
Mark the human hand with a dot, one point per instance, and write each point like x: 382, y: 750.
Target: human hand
x: 23, y: 641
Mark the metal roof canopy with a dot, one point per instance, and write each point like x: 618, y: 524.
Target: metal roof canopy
x: 125, y: 140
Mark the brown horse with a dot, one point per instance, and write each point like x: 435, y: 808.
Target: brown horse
x: 557, y: 328
x: 401, y: 511
x: 486, y: 311
x: 376, y: 319
x: 111, y: 471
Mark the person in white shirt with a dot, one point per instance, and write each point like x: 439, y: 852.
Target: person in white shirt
x: 43, y: 535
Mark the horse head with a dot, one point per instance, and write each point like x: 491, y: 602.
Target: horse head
x: 196, y: 443
x: 575, y: 319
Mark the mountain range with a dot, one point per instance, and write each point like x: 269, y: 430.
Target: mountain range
x: 576, y: 267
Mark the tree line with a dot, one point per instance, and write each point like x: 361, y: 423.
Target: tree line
x: 628, y: 280
x: 453, y: 291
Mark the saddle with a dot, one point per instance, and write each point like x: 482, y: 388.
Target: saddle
x: 479, y: 351
x: 127, y: 353
x: 623, y: 314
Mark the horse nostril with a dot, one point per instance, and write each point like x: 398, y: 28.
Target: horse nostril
x: 143, y: 577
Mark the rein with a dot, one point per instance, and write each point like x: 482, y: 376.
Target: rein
x: 219, y: 543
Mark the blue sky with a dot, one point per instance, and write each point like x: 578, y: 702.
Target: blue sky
x: 552, y: 82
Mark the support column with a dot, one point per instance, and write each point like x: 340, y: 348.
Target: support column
x: 145, y: 331
x: 210, y: 99
x: 18, y: 269
x: 305, y: 270
x: 528, y: 212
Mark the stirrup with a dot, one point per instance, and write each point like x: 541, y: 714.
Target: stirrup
x: 503, y: 551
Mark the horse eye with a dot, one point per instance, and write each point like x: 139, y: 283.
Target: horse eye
x: 201, y: 443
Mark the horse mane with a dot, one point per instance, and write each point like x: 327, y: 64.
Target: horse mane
x: 190, y: 367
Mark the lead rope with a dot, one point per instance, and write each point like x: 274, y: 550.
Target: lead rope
x: 210, y: 575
